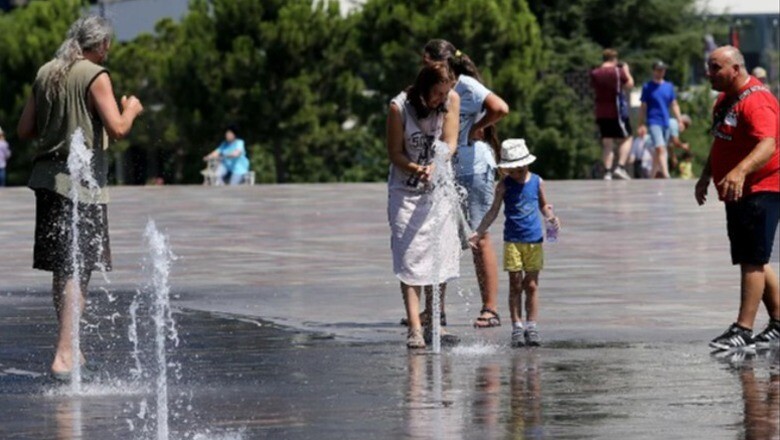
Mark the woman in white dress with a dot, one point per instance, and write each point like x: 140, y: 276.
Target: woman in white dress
x: 422, y: 135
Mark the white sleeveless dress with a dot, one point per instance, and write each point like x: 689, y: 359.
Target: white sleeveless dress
x: 424, y: 230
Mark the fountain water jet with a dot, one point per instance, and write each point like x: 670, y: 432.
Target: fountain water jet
x: 83, y: 189
x: 160, y: 257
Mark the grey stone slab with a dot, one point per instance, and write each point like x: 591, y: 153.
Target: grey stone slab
x: 288, y: 312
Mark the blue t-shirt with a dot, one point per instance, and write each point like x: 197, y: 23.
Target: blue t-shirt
x: 658, y: 97
x: 235, y: 165
x: 523, y: 222
x: 475, y: 158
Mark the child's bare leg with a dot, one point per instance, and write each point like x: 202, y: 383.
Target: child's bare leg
x: 515, y: 296
x: 411, y: 295
x: 531, y: 286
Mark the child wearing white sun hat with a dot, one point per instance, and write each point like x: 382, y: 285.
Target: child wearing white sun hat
x: 526, y: 206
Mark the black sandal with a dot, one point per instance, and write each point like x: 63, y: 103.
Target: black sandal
x: 492, y: 321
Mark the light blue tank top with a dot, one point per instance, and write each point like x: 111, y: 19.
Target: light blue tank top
x: 521, y: 208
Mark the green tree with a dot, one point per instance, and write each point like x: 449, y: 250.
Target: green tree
x: 501, y: 36
x: 29, y: 37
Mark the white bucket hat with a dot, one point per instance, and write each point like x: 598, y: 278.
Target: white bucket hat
x: 514, y: 153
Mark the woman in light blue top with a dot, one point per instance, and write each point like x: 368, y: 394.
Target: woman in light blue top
x: 474, y: 163
x: 234, y: 165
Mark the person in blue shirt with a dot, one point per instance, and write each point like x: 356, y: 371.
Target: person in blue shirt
x: 658, y: 97
x: 526, y: 207
x: 234, y: 165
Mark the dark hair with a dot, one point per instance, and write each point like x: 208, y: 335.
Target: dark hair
x: 233, y: 128
x: 460, y: 63
x: 427, y: 78
x: 439, y: 50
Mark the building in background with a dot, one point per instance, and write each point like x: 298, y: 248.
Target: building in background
x: 754, y: 29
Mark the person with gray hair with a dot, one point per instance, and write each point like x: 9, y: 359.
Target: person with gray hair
x: 744, y: 165
x: 73, y: 95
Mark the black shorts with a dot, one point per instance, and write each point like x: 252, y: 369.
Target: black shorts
x: 752, y: 223
x: 53, y: 235
x: 610, y: 128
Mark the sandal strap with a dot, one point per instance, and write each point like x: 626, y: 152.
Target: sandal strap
x: 487, y: 310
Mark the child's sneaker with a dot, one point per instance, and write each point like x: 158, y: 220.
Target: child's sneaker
x: 532, y: 338
x: 517, y: 338
x: 735, y: 337
x: 414, y: 338
x: 770, y: 336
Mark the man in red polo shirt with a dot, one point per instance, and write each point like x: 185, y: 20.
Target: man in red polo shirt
x: 744, y: 164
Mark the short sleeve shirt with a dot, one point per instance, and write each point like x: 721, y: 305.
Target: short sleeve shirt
x: 751, y: 120
x: 658, y: 97
x: 604, y: 81
x: 472, y: 95
x: 475, y: 158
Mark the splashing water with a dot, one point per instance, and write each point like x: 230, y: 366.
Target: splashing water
x: 478, y: 349
x: 83, y: 189
x: 160, y: 257
x: 132, y: 335
x: 446, y: 197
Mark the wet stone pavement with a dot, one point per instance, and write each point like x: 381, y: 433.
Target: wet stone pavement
x: 287, y: 316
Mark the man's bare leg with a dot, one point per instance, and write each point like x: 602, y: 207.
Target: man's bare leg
x: 752, y: 290
x: 608, y: 153
x: 771, y: 297
x: 68, y: 298
x: 624, y: 150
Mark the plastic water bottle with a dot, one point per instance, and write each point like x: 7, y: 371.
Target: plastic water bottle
x: 552, y: 230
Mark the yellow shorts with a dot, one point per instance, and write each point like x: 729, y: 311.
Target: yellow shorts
x: 528, y: 257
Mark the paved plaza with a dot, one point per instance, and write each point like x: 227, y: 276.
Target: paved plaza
x: 287, y: 312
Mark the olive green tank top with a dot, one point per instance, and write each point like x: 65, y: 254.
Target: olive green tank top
x: 57, y: 119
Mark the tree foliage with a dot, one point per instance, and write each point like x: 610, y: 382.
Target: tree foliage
x: 309, y: 87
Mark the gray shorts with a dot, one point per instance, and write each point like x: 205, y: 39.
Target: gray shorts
x: 480, y: 189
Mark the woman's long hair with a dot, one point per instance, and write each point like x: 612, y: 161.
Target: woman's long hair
x: 427, y: 78
x: 461, y: 64
x: 85, y: 34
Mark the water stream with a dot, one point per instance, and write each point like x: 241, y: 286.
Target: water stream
x: 83, y: 189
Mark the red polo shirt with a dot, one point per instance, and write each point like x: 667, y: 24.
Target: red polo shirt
x: 754, y: 118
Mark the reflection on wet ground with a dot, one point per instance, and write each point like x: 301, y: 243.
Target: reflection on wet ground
x: 638, y: 283
x: 244, y: 379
